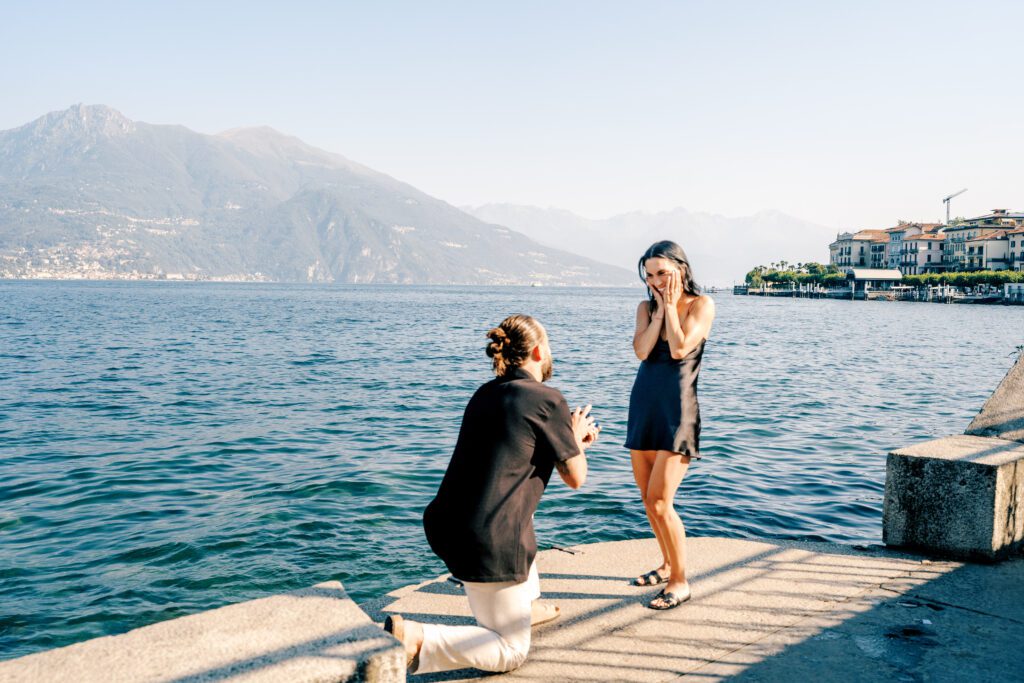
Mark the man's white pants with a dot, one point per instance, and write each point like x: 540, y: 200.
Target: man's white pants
x: 500, y: 642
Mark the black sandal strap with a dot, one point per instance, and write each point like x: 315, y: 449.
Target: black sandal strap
x: 651, y: 578
x: 667, y: 600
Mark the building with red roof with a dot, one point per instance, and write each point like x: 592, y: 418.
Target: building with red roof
x: 862, y: 249
x: 921, y: 253
x: 904, y: 229
x: 959, y: 255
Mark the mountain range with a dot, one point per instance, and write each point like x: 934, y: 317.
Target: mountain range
x: 721, y: 249
x: 89, y: 193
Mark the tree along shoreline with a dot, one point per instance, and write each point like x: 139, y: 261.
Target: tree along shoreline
x: 830, y: 276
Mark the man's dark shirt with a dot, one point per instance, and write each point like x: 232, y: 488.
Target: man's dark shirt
x: 481, y: 521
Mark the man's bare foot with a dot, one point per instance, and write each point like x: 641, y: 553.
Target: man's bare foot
x: 542, y: 614
x: 409, y: 633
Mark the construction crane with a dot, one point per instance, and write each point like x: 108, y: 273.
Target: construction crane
x: 946, y: 202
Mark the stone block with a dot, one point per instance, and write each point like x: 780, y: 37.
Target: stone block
x: 316, y: 634
x: 960, y: 496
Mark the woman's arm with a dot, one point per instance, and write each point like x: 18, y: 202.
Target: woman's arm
x: 696, y: 327
x: 647, y: 329
x: 684, y: 337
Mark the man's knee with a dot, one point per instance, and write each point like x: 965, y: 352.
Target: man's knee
x: 517, y: 656
x: 513, y: 656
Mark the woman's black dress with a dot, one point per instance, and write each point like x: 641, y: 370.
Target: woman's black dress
x: 664, y: 414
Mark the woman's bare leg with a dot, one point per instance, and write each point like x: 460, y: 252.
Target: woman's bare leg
x: 666, y: 475
x: 643, y: 465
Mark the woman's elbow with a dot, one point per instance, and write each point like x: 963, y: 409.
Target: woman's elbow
x: 642, y: 355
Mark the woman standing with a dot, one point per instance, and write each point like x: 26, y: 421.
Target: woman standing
x: 663, y: 433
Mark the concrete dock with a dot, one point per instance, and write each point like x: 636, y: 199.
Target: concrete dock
x: 761, y: 611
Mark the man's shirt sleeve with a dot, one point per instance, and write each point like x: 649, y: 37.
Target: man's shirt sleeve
x: 556, y: 429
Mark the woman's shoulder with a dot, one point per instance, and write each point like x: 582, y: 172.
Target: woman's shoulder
x: 702, y: 306
x: 705, y: 301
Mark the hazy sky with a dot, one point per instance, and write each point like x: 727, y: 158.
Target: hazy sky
x: 850, y: 114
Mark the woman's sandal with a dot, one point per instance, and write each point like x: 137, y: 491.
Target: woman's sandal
x: 651, y: 578
x: 395, y: 625
x: 668, y: 600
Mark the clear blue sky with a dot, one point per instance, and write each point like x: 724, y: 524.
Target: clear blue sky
x: 850, y: 114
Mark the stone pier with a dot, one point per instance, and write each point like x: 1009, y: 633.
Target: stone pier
x: 761, y: 611
x: 962, y: 496
x: 316, y: 635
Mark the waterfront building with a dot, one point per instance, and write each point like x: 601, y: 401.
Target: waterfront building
x: 994, y: 241
x: 955, y: 254
x: 875, y: 278
x: 1016, y: 250
x: 904, y: 229
x: 837, y: 250
x: 863, y: 249
x: 999, y: 218
x: 921, y: 253
x: 863, y: 279
x: 954, y: 249
x: 989, y: 251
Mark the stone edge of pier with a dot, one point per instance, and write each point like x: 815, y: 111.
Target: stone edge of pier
x: 314, y: 634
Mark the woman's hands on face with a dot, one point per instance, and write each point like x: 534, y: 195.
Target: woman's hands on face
x: 657, y: 297
x: 660, y: 311
x: 673, y: 289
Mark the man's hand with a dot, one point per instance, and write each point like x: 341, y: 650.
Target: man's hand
x: 583, y: 427
x: 574, y: 470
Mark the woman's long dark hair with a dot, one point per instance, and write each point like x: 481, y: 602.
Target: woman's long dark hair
x: 667, y: 249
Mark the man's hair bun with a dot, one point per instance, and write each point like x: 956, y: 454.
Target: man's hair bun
x: 511, y: 342
x: 498, y: 341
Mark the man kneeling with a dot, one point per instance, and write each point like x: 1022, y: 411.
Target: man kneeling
x: 514, y: 431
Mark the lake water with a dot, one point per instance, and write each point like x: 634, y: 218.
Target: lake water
x: 166, y: 448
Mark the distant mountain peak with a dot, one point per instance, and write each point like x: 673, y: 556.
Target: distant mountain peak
x: 94, y: 119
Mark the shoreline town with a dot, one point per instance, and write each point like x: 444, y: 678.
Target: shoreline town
x: 967, y: 260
